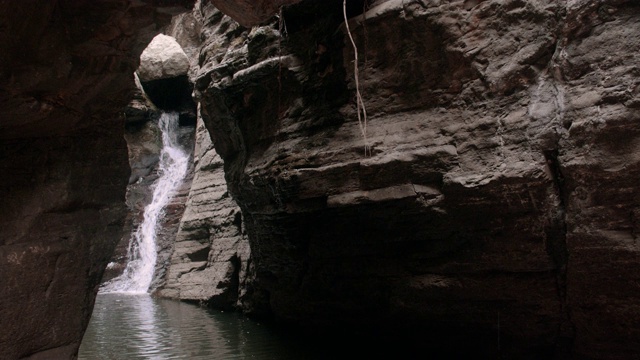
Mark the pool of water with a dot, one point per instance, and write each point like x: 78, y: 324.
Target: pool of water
x: 129, y: 327
x: 143, y: 327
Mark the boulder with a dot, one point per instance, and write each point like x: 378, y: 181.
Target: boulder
x: 163, y: 75
x: 163, y: 58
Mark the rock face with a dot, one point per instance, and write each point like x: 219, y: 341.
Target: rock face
x: 249, y: 13
x: 499, y: 201
x: 173, y: 212
x: 210, y: 257
x: 144, y: 143
x: 498, y: 207
x: 211, y: 251
x: 66, y: 70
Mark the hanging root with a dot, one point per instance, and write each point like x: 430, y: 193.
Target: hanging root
x: 362, y: 111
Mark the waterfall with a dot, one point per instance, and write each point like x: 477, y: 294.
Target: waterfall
x: 142, y: 252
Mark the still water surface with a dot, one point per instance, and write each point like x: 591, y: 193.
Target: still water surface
x: 143, y: 327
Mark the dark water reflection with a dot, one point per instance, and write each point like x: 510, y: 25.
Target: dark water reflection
x: 142, y: 327
x: 126, y: 327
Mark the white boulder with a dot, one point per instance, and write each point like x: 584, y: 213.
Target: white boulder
x: 163, y: 58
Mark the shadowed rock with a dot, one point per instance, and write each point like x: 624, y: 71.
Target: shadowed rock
x: 66, y: 70
x: 499, y: 200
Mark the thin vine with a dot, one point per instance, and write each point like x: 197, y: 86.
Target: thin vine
x: 361, y: 109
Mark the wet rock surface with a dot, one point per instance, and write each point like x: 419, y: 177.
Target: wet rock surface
x: 144, y: 143
x: 210, y: 258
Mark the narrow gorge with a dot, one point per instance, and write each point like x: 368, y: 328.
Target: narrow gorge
x: 491, y: 205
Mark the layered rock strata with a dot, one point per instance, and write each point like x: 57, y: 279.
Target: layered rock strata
x: 498, y: 202
x: 66, y: 70
x: 211, y: 252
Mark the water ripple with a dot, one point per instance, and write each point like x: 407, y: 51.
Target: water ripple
x: 142, y: 327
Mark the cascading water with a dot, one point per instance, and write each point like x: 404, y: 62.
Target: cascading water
x: 142, y: 252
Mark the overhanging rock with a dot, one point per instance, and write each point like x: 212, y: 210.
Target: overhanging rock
x: 163, y: 74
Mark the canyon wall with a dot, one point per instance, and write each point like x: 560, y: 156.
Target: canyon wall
x: 496, y: 202
x: 66, y: 70
x: 210, y: 258
x: 492, y: 200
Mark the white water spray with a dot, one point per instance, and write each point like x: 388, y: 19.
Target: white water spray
x: 142, y: 252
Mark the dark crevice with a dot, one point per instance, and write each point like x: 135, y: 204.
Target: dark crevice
x: 228, y: 299
x: 170, y: 94
x: 234, y: 285
x: 297, y: 17
x: 551, y: 156
x: 187, y: 119
x: 237, y: 221
x: 200, y: 255
x: 51, y: 281
x: 357, y: 7
x: 557, y: 249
